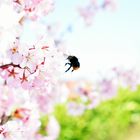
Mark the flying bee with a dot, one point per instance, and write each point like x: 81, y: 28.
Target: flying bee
x: 73, y: 62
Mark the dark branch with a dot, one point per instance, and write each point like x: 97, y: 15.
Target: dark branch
x: 5, y: 66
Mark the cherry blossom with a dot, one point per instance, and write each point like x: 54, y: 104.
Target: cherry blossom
x: 89, y: 10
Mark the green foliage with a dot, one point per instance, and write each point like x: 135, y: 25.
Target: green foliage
x: 44, y: 121
x: 111, y: 120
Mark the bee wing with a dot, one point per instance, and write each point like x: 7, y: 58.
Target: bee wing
x: 66, y: 56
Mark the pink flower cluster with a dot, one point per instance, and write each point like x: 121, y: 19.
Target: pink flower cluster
x: 20, y: 116
x: 84, y: 94
x: 88, y: 11
x: 33, y: 9
x: 27, y: 64
x: 29, y: 71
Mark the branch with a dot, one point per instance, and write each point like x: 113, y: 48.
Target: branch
x: 10, y: 64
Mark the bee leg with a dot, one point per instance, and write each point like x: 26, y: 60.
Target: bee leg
x: 68, y: 69
x: 67, y: 63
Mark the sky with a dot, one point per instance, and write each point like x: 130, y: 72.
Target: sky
x: 112, y: 40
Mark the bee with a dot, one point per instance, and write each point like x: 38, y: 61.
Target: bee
x: 73, y: 62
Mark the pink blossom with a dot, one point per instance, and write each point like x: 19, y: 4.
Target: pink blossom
x: 75, y: 109
x: 53, y: 128
x: 109, y: 4
x: 11, y: 130
x: 107, y: 88
x: 127, y: 77
x: 34, y: 8
x: 87, y: 13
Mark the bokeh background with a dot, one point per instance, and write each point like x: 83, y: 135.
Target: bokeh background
x: 111, y: 41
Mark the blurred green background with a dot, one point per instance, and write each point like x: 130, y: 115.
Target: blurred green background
x: 115, y: 119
